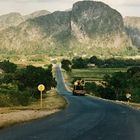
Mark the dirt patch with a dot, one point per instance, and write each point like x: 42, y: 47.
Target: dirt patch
x: 12, y: 115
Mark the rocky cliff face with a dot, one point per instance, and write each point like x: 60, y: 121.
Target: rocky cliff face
x: 132, y: 26
x: 98, y: 28
x: 89, y: 28
x: 90, y: 19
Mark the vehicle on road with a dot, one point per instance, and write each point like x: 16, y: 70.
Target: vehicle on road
x: 79, y: 88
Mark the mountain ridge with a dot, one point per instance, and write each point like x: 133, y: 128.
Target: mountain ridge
x: 15, y: 18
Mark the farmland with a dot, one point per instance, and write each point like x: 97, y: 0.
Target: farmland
x: 95, y: 74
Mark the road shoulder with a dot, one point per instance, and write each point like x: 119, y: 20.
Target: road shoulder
x: 13, y: 115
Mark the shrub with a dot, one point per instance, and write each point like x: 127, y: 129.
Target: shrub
x: 79, y: 63
x: 31, y: 77
x: 90, y: 87
x: 106, y: 93
x: 8, y: 67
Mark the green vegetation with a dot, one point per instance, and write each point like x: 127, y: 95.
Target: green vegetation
x: 95, y: 74
x: 110, y: 83
x: 66, y: 65
x: 19, y: 86
x: 122, y: 83
x: 109, y: 78
x: 79, y: 62
x: 94, y: 69
x: 8, y: 67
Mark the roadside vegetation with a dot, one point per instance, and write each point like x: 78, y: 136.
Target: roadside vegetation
x: 18, y: 86
x: 109, y: 78
x: 17, y: 114
x: 19, y: 96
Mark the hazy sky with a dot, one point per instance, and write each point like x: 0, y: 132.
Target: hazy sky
x: 125, y: 7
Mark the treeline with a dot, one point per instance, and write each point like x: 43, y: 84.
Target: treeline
x: 80, y: 62
x: 112, y: 62
x: 19, y: 85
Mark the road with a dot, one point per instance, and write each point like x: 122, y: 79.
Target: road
x: 85, y: 118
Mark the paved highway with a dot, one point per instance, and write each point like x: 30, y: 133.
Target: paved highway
x: 85, y: 118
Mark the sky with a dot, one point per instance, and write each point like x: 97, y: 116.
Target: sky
x: 125, y: 7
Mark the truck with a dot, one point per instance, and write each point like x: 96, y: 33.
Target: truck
x: 78, y: 88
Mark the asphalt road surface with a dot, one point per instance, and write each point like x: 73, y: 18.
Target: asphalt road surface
x: 85, y: 118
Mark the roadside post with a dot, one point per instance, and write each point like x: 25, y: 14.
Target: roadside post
x: 128, y: 96
x: 41, y: 88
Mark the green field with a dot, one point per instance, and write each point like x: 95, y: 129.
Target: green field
x: 95, y: 74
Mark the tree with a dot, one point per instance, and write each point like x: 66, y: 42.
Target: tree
x: 79, y: 63
x: 133, y: 70
x: 118, y: 82
x: 7, y: 66
x: 106, y: 92
x: 93, y: 60
x: 66, y: 65
x: 32, y: 76
x: 7, y: 78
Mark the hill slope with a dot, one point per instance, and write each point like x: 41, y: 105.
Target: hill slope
x: 14, y: 19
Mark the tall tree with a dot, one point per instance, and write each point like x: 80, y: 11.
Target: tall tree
x: 66, y: 65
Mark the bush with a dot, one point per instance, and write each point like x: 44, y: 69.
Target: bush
x: 90, y: 87
x: 24, y: 98
x: 135, y: 95
x: 20, y: 88
x: 8, y: 67
x: 106, y: 93
x: 5, y: 100
x: 31, y: 77
x: 79, y: 63
x: 7, y: 78
x: 14, y: 98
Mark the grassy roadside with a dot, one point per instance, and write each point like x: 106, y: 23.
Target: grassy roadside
x: 13, y: 115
